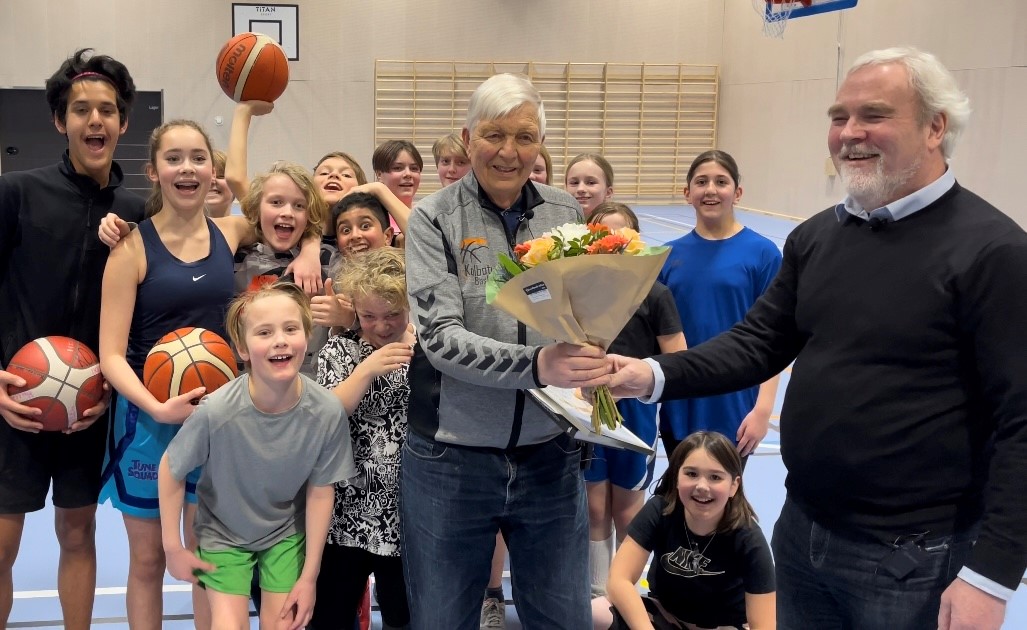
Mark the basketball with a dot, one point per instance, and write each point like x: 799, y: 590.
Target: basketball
x: 62, y: 378
x: 252, y: 67
x: 185, y: 359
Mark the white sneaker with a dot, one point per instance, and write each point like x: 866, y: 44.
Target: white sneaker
x: 493, y: 613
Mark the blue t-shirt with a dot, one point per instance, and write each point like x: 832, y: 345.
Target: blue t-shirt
x: 714, y: 284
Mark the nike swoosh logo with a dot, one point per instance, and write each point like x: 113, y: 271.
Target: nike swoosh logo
x: 195, y: 278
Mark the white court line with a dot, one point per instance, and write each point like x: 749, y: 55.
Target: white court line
x: 120, y: 590
x: 103, y: 590
x: 665, y: 221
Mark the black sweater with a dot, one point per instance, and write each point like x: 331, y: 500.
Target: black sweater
x: 907, y: 405
x: 51, y: 259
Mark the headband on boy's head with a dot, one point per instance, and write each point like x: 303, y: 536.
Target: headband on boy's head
x: 94, y: 75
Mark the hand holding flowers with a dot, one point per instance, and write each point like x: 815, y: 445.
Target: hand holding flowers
x: 570, y: 366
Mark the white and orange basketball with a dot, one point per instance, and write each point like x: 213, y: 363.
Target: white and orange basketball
x: 185, y: 359
x: 62, y: 378
x: 252, y: 67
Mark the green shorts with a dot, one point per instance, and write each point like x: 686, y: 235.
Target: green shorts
x: 279, y: 566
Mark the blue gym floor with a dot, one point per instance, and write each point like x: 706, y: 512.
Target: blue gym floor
x: 35, y: 573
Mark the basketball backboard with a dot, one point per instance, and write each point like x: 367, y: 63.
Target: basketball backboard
x: 776, y: 13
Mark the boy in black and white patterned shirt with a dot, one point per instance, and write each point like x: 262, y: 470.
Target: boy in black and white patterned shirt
x: 367, y: 369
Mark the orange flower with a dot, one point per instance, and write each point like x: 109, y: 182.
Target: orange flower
x: 612, y: 244
x: 538, y: 251
x: 520, y: 249
x: 634, y: 245
x: 598, y: 228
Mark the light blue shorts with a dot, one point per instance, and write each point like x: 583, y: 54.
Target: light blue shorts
x: 135, y: 445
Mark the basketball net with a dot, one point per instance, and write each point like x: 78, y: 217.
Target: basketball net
x: 775, y: 15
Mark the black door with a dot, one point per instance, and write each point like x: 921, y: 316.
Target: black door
x: 28, y: 138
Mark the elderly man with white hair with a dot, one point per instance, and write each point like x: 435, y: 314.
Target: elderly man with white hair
x: 480, y: 456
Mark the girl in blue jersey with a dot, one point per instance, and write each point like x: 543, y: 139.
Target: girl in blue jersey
x: 716, y: 272
x: 174, y: 271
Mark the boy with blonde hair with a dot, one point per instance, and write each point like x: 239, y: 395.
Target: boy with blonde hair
x: 271, y: 443
x: 450, y: 158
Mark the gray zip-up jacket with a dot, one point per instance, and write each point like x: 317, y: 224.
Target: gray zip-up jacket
x: 473, y: 359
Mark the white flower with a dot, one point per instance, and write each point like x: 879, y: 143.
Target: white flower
x: 569, y: 232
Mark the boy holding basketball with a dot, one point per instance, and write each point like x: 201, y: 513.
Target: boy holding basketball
x: 272, y: 443
x: 47, y: 221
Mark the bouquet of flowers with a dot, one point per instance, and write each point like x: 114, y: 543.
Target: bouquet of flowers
x: 578, y: 284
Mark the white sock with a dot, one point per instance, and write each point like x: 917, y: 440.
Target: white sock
x: 600, y: 553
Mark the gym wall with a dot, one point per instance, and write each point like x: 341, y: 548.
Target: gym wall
x: 774, y: 93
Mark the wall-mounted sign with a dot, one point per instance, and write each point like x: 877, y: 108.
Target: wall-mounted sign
x: 280, y: 22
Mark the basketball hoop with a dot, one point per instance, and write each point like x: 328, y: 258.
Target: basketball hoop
x: 775, y: 14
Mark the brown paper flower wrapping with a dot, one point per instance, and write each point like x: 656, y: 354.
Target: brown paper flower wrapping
x: 583, y: 299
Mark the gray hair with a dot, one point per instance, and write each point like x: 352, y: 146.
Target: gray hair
x: 499, y: 95
x: 934, y: 85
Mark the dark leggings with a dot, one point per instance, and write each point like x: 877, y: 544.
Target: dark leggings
x: 341, y: 584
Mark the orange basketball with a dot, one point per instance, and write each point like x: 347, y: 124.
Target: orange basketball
x: 185, y: 359
x: 62, y: 377
x: 252, y: 67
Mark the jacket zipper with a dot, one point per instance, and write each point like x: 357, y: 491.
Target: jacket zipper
x: 522, y: 339
x: 77, y: 293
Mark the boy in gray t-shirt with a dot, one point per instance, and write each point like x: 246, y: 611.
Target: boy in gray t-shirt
x: 272, y: 443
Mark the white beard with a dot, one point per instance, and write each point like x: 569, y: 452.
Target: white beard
x: 873, y: 189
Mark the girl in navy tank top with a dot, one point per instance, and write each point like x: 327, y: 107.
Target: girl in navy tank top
x: 174, y: 271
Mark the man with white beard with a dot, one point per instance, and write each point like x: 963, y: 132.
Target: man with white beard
x: 904, y: 426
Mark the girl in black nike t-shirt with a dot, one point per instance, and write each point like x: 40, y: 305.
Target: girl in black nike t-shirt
x: 711, y: 565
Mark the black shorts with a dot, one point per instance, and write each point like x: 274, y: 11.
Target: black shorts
x: 29, y: 461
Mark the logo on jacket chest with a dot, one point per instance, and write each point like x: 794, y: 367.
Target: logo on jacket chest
x: 476, y: 258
